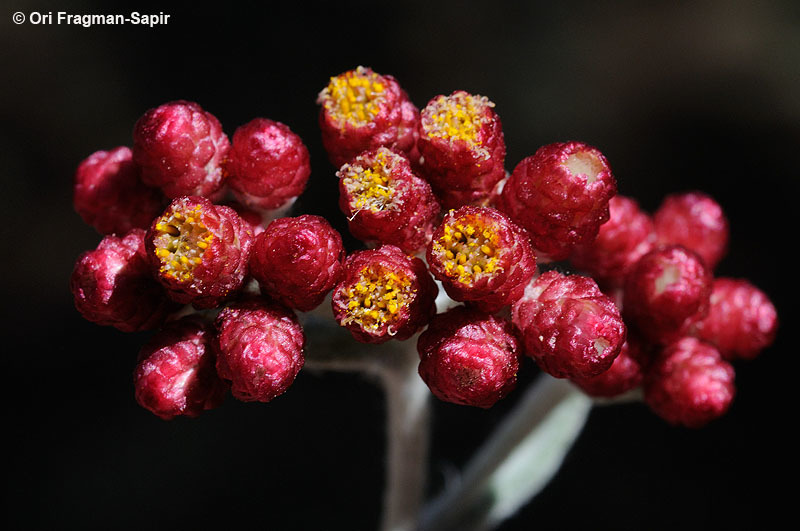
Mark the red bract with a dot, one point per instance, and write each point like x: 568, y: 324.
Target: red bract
x: 254, y: 219
x: 569, y: 326
x: 260, y: 349
x: 199, y: 251
x: 363, y: 110
x: 175, y: 374
x: 385, y: 202
x: 696, y: 221
x: 560, y: 195
x: 180, y: 149
x: 481, y: 257
x: 298, y: 260
x: 741, y: 320
x: 385, y: 294
x: 623, y: 375
x: 622, y: 240
x: 689, y: 383
x: 468, y: 357
x: 268, y: 164
x: 112, y: 285
x: 462, y: 147
x: 110, y: 196
x: 667, y: 291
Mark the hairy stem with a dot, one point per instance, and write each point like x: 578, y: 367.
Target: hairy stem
x: 393, y: 365
x: 407, y: 438
x: 517, y: 461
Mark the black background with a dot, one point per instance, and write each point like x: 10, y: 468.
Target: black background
x: 677, y: 95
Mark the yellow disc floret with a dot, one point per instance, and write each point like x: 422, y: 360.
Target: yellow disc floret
x: 180, y: 242
x: 459, y: 116
x: 467, y: 249
x: 354, y: 97
x: 377, y: 297
x: 369, y: 183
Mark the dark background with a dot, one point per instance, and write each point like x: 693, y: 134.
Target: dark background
x: 678, y: 95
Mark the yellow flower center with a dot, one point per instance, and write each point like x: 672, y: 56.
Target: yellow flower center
x: 459, y: 116
x: 180, y: 243
x: 370, y: 184
x: 468, y: 249
x: 377, y: 297
x: 354, y: 97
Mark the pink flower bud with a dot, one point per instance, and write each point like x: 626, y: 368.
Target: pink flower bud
x: 260, y: 349
x: 175, y: 374
x: 181, y: 149
x: 469, y: 357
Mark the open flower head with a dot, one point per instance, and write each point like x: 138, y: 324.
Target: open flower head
x: 361, y: 110
x: 385, y: 295
x: 386, y: 202
x: 480, y: 256
x: 461, y: 141
x: 199, y: 250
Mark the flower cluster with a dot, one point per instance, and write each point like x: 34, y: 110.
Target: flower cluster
x: 195, y: 248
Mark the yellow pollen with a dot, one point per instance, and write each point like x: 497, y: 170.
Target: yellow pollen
x: 377, y: 297
x: 467, y: 249
x: 353, y: 97
x: 369, y: 183
x: 180, y: 242
x: 458, y: 117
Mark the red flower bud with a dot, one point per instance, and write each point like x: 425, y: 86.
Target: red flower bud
x: 298, y: 260
x: 175, y: 374
x: 695, y: 221
x: 689, y: 383
x: 621, y: 241
x: 623, y: 375
x: 569, y: 326
x: 741, y: 320
x: 180, y: 149
x: 268, y: 164
x: 260, y: 349
x: 112, y: 285
x: 667, y: 291
x: 560, y: 195
x: 469, y: 357
x: 110, y: 196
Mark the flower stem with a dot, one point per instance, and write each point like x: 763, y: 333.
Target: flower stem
x: 407, y: 438
x: 516, y: 463
x: 393, y: 365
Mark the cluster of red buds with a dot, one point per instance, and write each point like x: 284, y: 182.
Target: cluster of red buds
x: 194, y: 248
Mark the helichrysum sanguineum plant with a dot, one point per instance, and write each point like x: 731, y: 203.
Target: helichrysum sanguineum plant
x: 480, y: 269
